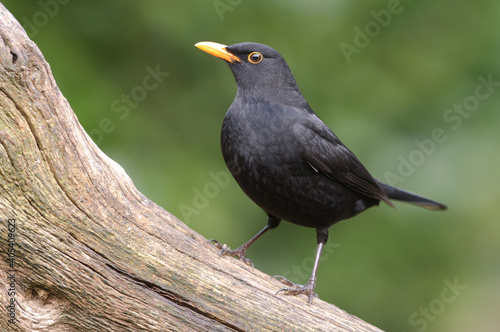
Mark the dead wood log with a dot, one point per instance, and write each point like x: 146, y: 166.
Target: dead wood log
x: 83, y: 250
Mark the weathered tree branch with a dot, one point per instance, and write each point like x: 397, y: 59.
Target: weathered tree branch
x: 91, y: 252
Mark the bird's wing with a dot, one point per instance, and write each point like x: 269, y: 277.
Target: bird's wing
x: 325, y: 153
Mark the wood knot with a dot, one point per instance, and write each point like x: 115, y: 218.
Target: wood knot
x: 37, y: 293
x: 42, y: 308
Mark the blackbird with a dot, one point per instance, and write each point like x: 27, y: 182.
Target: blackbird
x: 286, y: 159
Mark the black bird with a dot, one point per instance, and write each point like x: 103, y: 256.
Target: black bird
x: 286, y: 159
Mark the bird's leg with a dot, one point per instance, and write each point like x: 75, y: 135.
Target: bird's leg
x: 240, y: 252
x: 308, y: 288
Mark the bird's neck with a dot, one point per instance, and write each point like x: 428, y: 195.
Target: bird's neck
x: 287, y: 97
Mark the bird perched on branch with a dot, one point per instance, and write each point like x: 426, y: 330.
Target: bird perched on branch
x: 286, y: 159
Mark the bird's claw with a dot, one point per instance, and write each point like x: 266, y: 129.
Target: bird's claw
x: 239, y: 252
x: 216, y: 243
x: 295, y: 289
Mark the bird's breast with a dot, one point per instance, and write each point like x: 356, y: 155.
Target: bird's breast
x: 258, y: 140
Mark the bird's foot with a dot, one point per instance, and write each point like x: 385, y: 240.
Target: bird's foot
x: 239, y: 252
x: 294, y: 289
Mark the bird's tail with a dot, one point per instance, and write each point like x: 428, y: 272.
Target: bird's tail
x: 409, y: 197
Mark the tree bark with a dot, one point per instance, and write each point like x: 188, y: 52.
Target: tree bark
x: 83, y: 250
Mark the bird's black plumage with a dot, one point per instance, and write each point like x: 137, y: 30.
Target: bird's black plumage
x: 285, y: 158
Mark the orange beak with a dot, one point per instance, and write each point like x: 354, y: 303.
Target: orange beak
x: 218, y: 50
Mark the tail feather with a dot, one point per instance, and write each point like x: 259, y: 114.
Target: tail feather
x: 409, y: 197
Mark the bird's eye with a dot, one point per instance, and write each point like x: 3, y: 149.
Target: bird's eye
x: 255, y: 57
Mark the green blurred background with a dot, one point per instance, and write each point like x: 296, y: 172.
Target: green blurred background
x: 402, y: 270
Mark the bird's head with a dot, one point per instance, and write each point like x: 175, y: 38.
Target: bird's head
x: 260, y: 71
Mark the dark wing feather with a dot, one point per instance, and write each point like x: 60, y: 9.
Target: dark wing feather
x: 325, y: 153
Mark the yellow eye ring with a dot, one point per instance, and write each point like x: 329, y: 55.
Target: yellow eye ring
x: 255, y: 57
